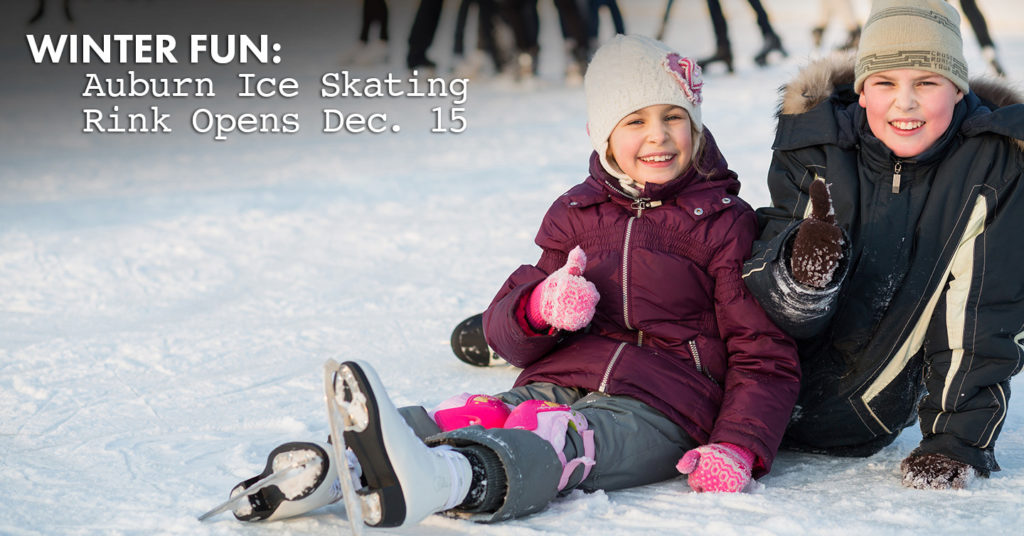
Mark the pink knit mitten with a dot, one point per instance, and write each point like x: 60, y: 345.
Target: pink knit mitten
x: 717, y: 467
x: 565, y: 300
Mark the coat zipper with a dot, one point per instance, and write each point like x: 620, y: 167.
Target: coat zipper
x: 608, y: 371
x: 696, y: 355
x: 639, y: 206
x: 625, y: 272
x: 896, y: 169
x: 625, y: 278
x: 643, y: 204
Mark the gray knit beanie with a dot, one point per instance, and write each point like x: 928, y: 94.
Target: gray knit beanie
x: 912, y: 34
x: 631, y: 72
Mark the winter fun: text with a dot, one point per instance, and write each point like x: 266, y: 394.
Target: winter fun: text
x: 148, y: 48
x: 121, y: 109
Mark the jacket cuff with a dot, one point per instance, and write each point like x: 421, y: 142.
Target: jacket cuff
x: 763, y: 456
x: 522, y: 315
x: 800, y: 310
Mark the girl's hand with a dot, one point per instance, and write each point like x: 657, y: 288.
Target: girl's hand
x: 717, y: 467
x: 565, y: 300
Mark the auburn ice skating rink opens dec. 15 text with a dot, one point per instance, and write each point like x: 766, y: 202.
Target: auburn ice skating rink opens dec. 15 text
x: 133, y: 50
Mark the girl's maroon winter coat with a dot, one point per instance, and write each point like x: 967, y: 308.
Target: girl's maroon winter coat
x: 675, y: 326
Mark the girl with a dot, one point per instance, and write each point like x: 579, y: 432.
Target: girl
x: 643, y: 354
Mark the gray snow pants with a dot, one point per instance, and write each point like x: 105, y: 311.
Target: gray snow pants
x: 634, y: 445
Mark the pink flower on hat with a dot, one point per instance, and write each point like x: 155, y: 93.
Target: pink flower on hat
x: 687, y: 73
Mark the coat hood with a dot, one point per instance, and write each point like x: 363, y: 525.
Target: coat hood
x: 832, y: 78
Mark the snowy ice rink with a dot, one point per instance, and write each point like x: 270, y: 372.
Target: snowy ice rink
x: 167, y: 300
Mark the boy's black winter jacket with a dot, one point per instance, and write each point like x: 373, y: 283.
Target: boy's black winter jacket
x: 926, y: 316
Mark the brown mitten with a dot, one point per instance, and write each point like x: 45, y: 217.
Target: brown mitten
x: 935, y: 471
x: 818, y: 245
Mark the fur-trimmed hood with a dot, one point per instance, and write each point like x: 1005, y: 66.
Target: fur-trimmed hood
x: 819, y: 80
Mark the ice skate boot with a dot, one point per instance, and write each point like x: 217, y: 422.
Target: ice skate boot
x: 723, y: 54
x: 366, y: 54
x: 574, y: 74
x: 852, y: 40
x: 471, y: 347
x: 472, y: 66
x: 298, y: 478
x: 310, y: 484
x: 772, y: 43
x: 817, y: 36
x: 420, y: 67
x: 525, y: 66
x: 405, y: 480
x: 989, y: 53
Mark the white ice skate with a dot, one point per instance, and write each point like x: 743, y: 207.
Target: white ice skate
x: 405, y: 480
x: 298, y: 478
x: 472, y: 66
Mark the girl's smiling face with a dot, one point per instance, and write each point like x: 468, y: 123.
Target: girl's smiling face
x: 909, y: 109
x: 653, y: 144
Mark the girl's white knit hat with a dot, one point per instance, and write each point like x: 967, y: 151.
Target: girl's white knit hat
x: 631, y: 72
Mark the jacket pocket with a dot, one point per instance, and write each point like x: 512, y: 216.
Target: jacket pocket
x: 603, y: 387
x: 695, y: 354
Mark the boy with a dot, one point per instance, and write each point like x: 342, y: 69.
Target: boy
x: 889, y: 250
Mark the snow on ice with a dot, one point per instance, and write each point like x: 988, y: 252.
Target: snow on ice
x: 167, y: 300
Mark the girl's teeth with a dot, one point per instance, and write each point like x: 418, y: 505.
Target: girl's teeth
x: 662, y: 158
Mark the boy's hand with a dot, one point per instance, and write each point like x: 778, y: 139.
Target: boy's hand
x: 935, y: 471
x: 818, y: 245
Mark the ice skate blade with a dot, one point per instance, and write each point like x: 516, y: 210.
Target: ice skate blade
x: 341, y: 419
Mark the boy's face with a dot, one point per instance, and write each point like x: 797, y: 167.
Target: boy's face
x: 652, y: 144
x: 909, y: 109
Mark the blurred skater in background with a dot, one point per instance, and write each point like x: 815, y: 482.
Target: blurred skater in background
x: 980, y: 27
x: 723, y: 48
x: 843, y: 10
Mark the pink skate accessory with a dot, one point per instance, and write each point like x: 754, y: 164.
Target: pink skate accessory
x: 464, y: 410
x: 565, y: 300
x: 551, y: 422
x: 717, y: 467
